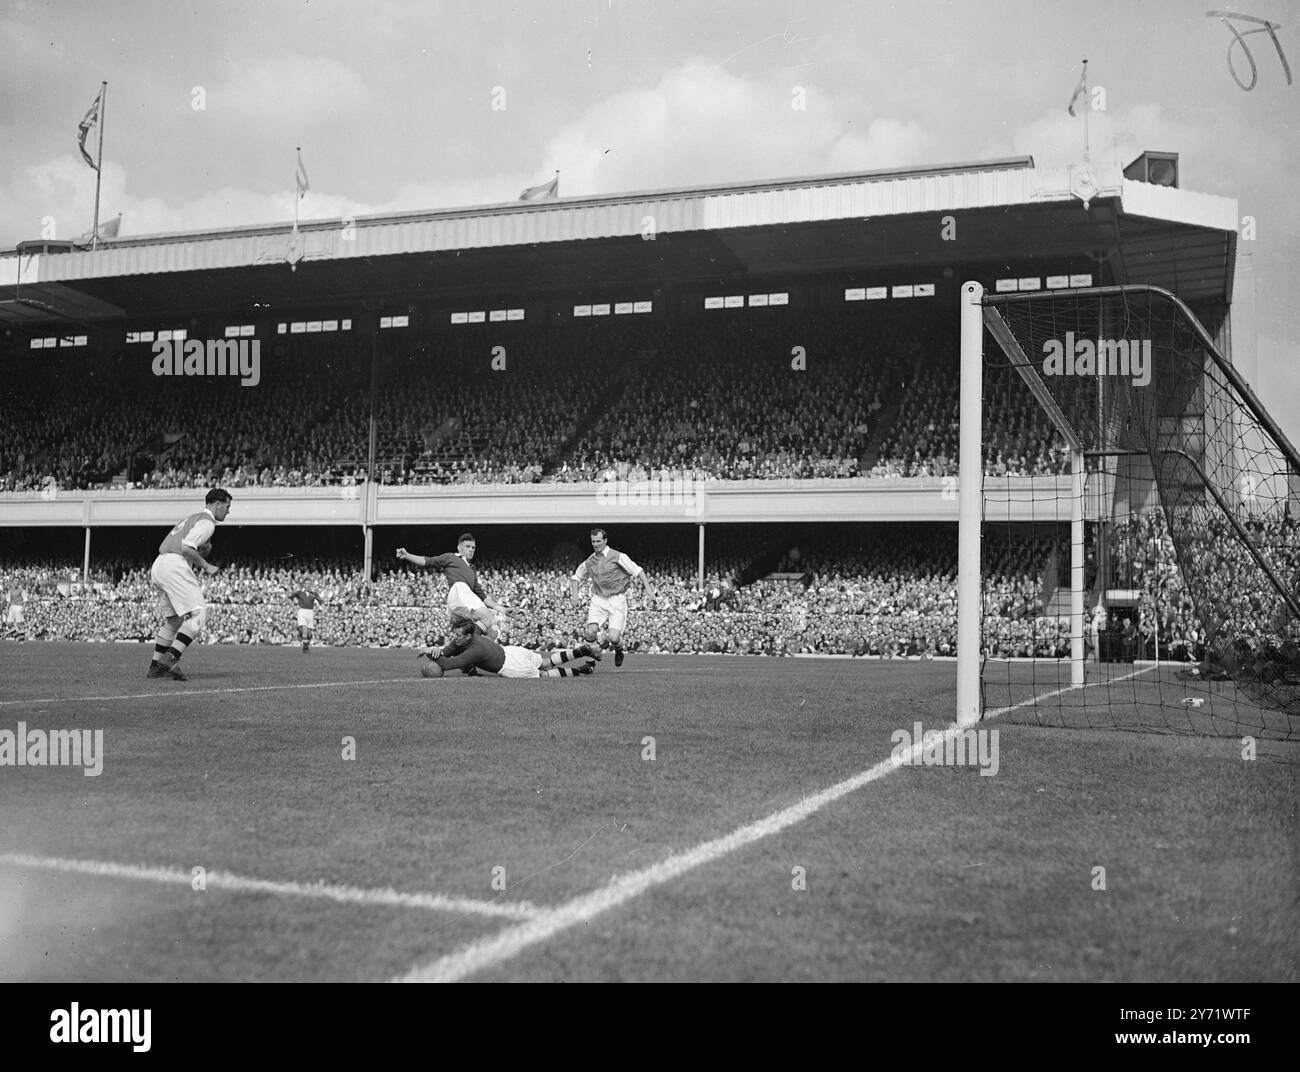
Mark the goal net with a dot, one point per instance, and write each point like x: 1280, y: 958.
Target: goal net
x: 1138, y: 558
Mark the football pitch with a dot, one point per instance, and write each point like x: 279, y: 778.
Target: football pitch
x: 335, y: 817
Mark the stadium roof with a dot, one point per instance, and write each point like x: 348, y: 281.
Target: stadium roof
x: 1008, y: 213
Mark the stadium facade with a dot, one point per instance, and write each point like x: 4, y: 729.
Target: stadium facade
x: 838, y: 245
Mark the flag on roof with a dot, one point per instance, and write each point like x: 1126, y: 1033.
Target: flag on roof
x: 545, y: 190
x: 84, y: 127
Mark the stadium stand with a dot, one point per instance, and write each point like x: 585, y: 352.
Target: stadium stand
x: 710, y: 400
x: 887, y: 591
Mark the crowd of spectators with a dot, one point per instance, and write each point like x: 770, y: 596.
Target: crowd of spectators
x: 1018, y: 437
x: 792, y: 398
x: 887, y: 595
x: 887, y: 591
x: 1224, y: 598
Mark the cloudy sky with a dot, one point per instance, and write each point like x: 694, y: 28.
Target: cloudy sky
x: 392, y: 102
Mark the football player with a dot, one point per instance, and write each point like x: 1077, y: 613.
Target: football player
x: 306, y: 598
x: 469, y: 651
x: 173, y: 576
x: 466, y: 600
x: 611, y: 573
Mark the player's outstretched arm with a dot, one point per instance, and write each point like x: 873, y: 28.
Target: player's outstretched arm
x: 464, y: 661
x: 414, y: 560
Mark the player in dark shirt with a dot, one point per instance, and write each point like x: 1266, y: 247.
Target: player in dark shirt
x: 466, y: 599
x: 470, y: 651
x: 306, y: 598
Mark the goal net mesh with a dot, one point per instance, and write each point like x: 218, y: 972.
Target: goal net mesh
x: 1191, y: 553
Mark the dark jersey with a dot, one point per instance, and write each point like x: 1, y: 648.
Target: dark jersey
x: 455, y: 568
x: 478, y: 652
x: 306, y: 598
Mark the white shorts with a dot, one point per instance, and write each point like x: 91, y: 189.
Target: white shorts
x: 520, y: 662
x: 463, y: 603
x: 611, y: 610
x: 179, y: 592
x: 14, y: 615
x: 307, y: 618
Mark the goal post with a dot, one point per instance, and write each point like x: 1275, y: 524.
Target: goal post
x: 1180, y: 606
x: 970, y: 507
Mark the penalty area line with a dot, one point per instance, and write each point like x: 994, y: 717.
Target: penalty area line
x: 487, y: 952
x: 492, y: 950
x: 222, y: 880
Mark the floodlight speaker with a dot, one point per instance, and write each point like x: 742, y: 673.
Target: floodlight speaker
x: 1159, y: 169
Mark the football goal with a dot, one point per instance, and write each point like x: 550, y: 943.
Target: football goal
x: 1128, y: 551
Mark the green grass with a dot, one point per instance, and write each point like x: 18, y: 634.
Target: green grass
x: 929, y: 873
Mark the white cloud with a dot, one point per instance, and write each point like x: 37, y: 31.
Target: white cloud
x: 288, y: 90
x: 1278, y: 383
x: 701, y: 124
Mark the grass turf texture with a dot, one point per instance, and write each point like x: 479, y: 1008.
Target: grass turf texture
x: 929, y: 873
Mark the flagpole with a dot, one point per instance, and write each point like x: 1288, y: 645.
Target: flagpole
x: 1087, y: 107
x: 99, y: 163
x: 297, y: 188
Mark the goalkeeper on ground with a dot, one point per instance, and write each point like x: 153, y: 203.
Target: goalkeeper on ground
x: 469, y: 651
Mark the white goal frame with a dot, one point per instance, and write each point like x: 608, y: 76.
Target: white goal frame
x: 970, y: 499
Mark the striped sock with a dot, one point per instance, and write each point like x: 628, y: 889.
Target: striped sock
x: 162, y: 643
x: 179, y: 645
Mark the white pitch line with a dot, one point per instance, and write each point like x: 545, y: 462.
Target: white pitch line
x: 222, y: 880
x: 169, y: 690
x: 489, y: 951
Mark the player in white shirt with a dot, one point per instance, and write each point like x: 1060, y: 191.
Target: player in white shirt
x: 180, y: 597
x: 610, y: 573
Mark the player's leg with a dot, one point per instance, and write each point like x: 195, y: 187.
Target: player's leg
x: 190, y: 629
x: 567, y: 661
x: 180, y: 596
x: 162, y: 646
x: 617, y: 623
x: 161, y: 663
x: 597, y: 616
x: 463, y: 605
